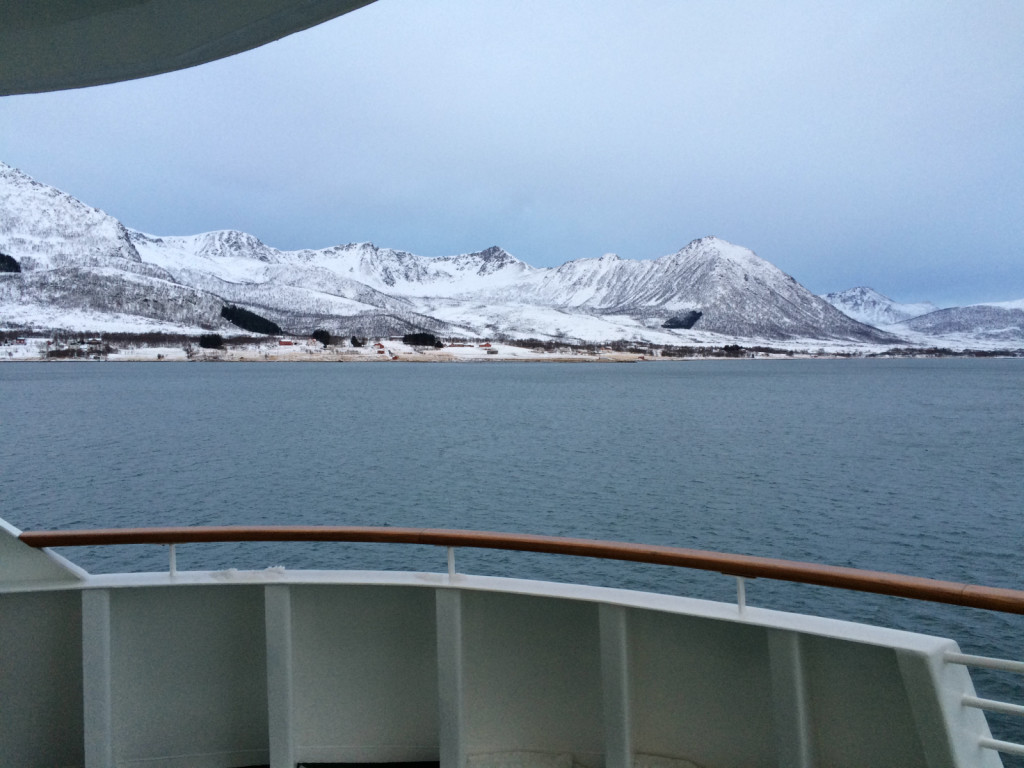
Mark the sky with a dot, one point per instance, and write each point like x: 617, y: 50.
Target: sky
x: 849, y: 143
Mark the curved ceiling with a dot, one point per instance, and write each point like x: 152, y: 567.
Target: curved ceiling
x: 60, y: 44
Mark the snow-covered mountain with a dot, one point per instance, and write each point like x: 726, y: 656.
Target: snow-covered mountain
x: 1003, y: 323
x: 86, y: 264
x: 987, y: 324
x: 49, y: 229
x: 727, y: 289
x: 869, y: 306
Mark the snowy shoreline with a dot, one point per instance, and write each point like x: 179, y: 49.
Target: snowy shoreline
x: 40, y: 349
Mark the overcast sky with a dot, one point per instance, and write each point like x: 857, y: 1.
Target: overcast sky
x: 849, y: 142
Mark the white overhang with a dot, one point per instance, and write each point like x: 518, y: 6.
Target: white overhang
x: 59, y: 44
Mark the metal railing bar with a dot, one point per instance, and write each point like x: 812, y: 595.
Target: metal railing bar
x: 990, y: 598
x: 993, y: 705
x: 1006, y: 665
x: 1002, y: 746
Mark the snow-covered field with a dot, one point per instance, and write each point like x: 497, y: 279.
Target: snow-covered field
x: 36, y: 348
x: 33, y: 315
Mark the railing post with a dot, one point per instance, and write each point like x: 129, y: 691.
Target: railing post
x: 173, y: 561
x: 97, y: 673
x: 450, y: 661
x: 451, y: 564
x: 280, y: 705
x: 741, y: 594
x: 615, y: 688
x: 790, y: 705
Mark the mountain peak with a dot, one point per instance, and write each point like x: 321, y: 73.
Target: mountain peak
x: 487, y: 262
x: 494, y: 253
x: 708, y: 240
x: 44, y: 228
x: 232, y: 242
x: 869, y: 306
x: 861, y: 292
x: 712, y: 245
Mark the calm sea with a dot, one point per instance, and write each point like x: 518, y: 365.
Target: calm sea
x: 911, y: 466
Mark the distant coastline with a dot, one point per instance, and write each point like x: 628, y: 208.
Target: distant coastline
x: 150, y: 348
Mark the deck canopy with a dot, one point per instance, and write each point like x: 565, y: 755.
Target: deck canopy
x: 53, y: 45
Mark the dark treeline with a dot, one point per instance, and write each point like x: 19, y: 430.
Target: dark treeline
x: 946, y: 352
x: 546, y: 345
x: 142, y: 339
x: 249, y: 321
x: 109, y: 342
x: 9, y: 263
x: 421, y: 340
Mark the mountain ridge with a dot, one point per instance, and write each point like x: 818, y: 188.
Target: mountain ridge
x: 869, y: 306
x: 79, y: 259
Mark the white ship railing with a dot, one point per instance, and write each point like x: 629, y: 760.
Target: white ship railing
x: 991, y: 705
x: 739, y: 566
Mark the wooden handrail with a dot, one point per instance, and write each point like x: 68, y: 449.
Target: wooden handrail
x: 954, y: 593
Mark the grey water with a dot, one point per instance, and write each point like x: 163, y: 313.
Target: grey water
x: 908, y: 466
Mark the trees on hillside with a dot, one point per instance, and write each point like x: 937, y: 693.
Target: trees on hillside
x: 249, y: 321
x: 9, y: 263
x: 420, y: 339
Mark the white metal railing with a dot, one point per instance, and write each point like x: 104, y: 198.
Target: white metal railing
x: 1002, y: 746
x: 993, y: 706
x: 1002, y: 707
x: 741, y: 582
x: 1005, y: 665
x: 741, y: 567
